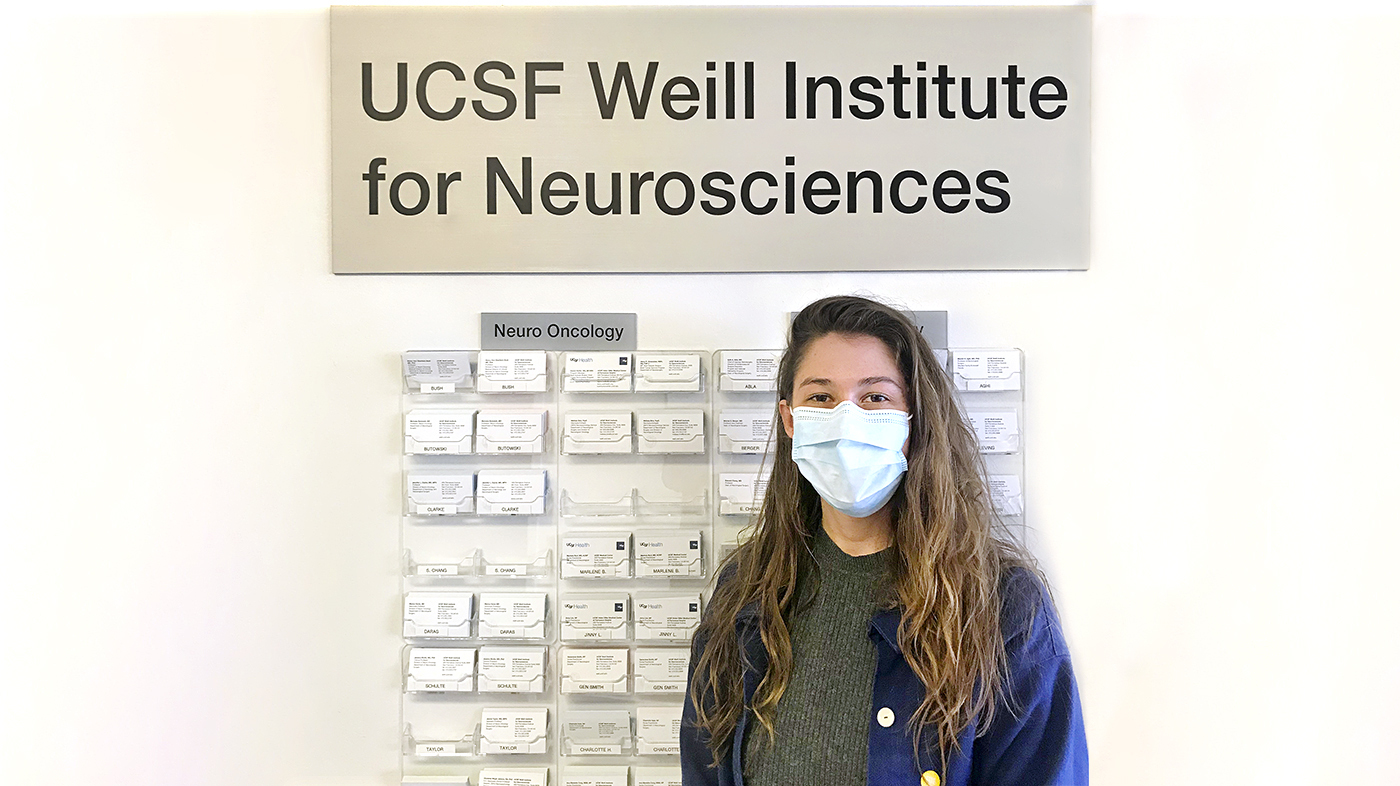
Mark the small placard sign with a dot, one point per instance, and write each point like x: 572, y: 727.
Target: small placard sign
x: 572, y: 331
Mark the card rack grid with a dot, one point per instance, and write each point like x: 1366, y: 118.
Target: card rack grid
x: 562, y: 515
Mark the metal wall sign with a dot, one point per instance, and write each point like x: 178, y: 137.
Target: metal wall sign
x: 934, y: 326
x: 623, y: 139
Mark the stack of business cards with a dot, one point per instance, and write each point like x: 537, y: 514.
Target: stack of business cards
x: 669, y: 554
x: 510, y: 670
x: 512, y: 615
x: 596, y: 555
x: 669, y: 372
x: 511, y: 432
x: 672, y: 618
x: 440, y: 669
x: 597, y: 372
x: 437, y: 615
x: 515, y: 730
x: 593, y: 670
x: 441, y: 431
x: 593, y: 618
x: 597, y: 432
x: 511, y: 372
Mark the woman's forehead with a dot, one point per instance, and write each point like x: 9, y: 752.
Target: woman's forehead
x: 838, y: 358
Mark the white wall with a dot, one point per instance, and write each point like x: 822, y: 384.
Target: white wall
x: 197, y: 544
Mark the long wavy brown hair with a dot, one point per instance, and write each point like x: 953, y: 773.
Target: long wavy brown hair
x: 948, y: 552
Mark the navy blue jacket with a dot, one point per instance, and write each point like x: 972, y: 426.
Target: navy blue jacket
x: 1039, y: 743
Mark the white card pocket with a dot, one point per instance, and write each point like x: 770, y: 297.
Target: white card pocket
x: 667, y: 618
x: 997, y: 430
x: 437, y: 615
x: 597, y: 372
x: 441, y: 493
x: 675, y: 372
x: 512, y: 615
x: 595, y: 776
x: 593, y: 670
x: 511, y: 372
x: 656, y: 776
x: 753, y: 371
x: 669, y: 554
x: 986, y: 369
x: 438, y: 372
x: 598, y: 733
x: 745, y: 432
x: 593, y: 618
x: 511, y: 432
x: 508, y: 492
x: 659, y: 730
x: 741, y: 493
x: 597, y: 432
x: 440, y: 670
x: 510, y: 670
x: 671, y: 431
x: 443, y: 431
x: 514, y: 730
x: 601, y: 555
x: 660, y: 669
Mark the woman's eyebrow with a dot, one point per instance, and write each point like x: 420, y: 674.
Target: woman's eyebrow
x: 814, y: 381
x: 877, y: 380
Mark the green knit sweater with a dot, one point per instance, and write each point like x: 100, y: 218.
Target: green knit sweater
x: 822, y: 721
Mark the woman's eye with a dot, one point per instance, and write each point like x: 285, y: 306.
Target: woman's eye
x: 878, y: 398
x: 820, y: 398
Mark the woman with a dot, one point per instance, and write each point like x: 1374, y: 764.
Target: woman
x: 876, y: 628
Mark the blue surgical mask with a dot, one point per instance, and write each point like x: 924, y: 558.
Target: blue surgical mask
x: 853, y: 457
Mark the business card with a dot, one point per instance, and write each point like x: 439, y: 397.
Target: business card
x: 444, y: 371
x: 597, y: 732
x: 668, y: 618
x: 1005, y: 491
x: 660, y: 669
x: 510, y: 670
x: 517, y: 431
x: 595, y: 776
x: 515, y: 615
x: 513, y: 776
x: 670, y: 371
x: 745, y: 431
x: 593, y: 618
x: 656, y: 776
x: 441, y: 493
x: 508, y: 371
x: 600, y: 555
x: 997, y: 430
x: 597, y: 372
x: 986, y: 369
x: 514, y: 730
x: 659, y: 730
x: 438, y: 615
x: 669, y: 554
x: 440, y: 670
x: 510, y: 492
x: 593, y: 670
x: 671, y: 431
x: 442, y: 431
x: 741, y: 493
x: 597, y: 432
x: 752, y: 371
